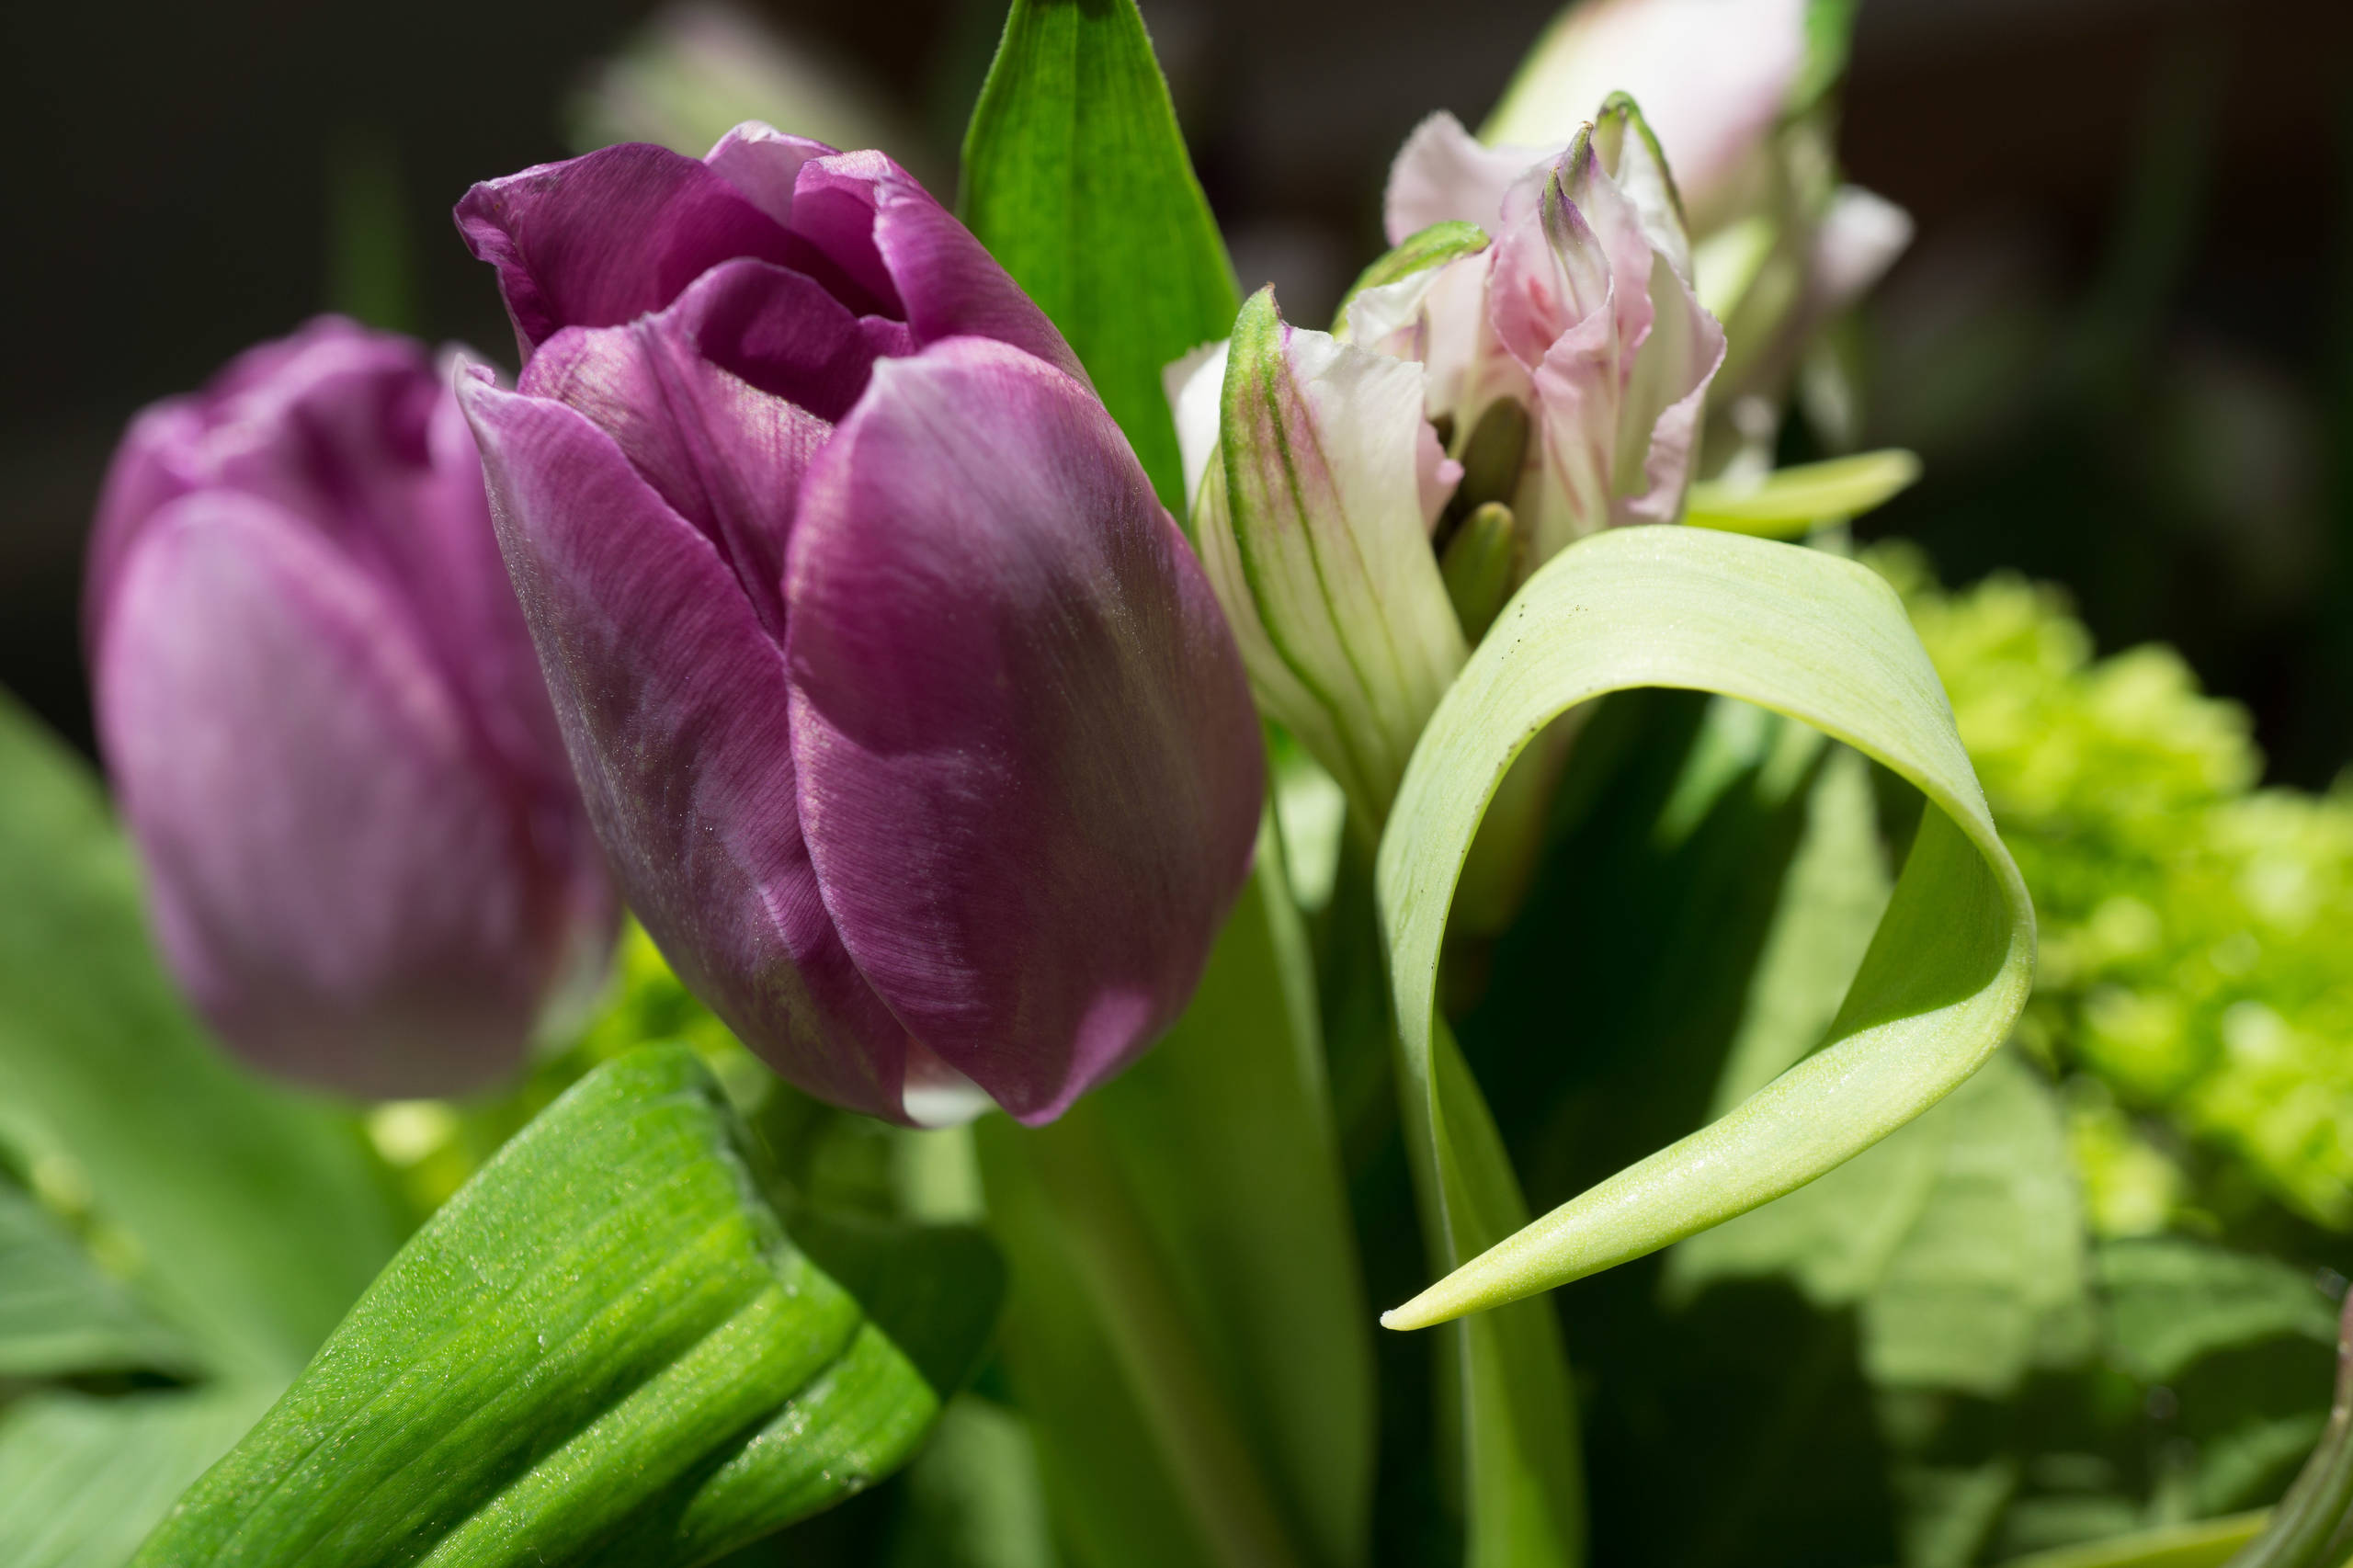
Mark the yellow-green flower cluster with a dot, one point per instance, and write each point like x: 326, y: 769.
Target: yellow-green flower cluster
x: 2197, y: 931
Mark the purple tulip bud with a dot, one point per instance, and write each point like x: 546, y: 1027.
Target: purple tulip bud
x: 367, y: 862
x: 909, y: 723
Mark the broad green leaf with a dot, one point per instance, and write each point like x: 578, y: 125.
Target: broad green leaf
x: 1793, y: 630
x: 1790, y: 502
x: 2171, y: 1301
x: 83, y: 1479
x: 1186, y: 1283
x: 603, y: 1349
x: 255, y: 1211
x: 60, y: 1313
x: 1077, y: 179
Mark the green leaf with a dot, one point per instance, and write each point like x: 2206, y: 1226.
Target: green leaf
x: 1793, y: 630
x: 2171, y: 1301
x: 1077, y: 179
x: 61, y: 1315
x: 603, y: 1349
x: 1790, y: 502
x: 257, y: 1213
x: 83, y: 1479
x: 1186, y: 1283
x: 2208, y: 1543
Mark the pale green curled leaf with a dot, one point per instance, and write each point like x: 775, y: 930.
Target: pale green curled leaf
x: 1077, y: 179
x: 2208, y: 1543
x: 1419, y: 258
x: 1794, y: 630
x: 61, y: 1315
x: 1789, y: 503
x: 1187, y: 1330
x: 604, y: 1349
x: 254, y: 1212
x: 83, y: 1479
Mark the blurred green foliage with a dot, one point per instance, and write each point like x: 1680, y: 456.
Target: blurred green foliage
x: 2196, y: 930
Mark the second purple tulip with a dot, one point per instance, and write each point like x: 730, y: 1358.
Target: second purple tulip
x: 908, y: 721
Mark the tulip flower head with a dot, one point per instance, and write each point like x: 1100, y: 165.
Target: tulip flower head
x: 1528, y: 366
x: 365, y: 859
x: 913, y: 731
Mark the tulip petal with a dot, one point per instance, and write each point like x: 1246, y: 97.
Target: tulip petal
x: 324, y: 422
x: 880, y: 224
x: 674, y: 705
x: 600, y: 240
x: 725, y: 453
x: 764, y: 165
x: 1029, y: 773
x: 1443, y: 174
x: 366, y: 918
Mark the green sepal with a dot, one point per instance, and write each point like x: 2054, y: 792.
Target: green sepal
x: 603, y: 1349
x: 1432, y: 247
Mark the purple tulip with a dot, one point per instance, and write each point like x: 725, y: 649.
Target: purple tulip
x: 909, y: 723
x: 367, y: 862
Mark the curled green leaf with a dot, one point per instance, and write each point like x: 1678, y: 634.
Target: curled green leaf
x: 1794, y: 630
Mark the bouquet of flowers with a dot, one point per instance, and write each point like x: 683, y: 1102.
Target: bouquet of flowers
x: 934, y: 859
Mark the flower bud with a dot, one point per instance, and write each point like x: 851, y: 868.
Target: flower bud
x: 1317, y: 479
x: 1579, y: 321
x: 908, y: 721
x: 367, y: 862
x: 1734, y: 90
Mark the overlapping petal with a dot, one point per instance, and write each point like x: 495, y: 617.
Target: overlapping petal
x: 674, y: 703
x: 862, y: 204
x: 1443, y: 174
x: 368, y: 914
x: 1028, y: 769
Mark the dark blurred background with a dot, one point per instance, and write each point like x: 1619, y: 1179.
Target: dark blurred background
x: 2123, y: 339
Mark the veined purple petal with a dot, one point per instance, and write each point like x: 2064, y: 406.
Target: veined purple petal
x: 672, y: 700
x: 322, y: 421
x: 334, y: 874
x: 764, y: 165
x: 879, y: 223
x: 597, y: 241
x: 1029, y: 773
x: 725, y: 453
